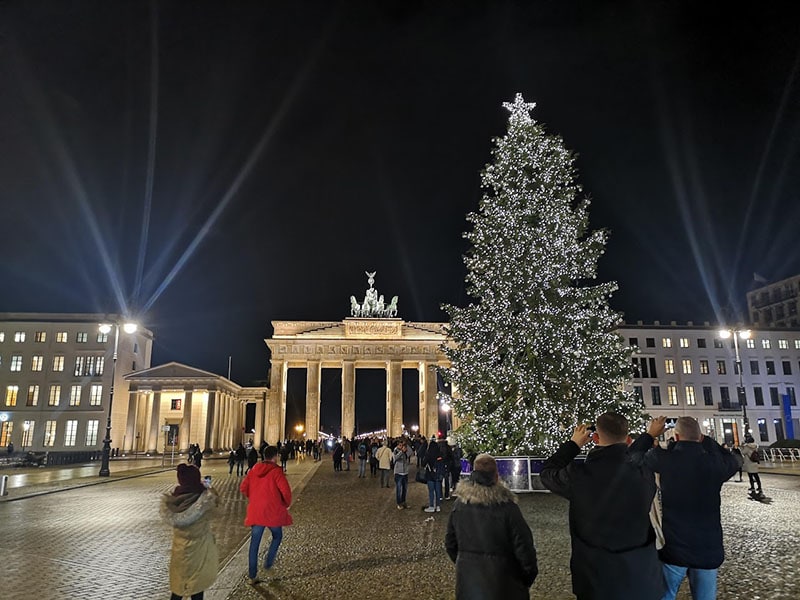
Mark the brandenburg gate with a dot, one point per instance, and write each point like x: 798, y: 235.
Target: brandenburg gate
x: 372, y: 337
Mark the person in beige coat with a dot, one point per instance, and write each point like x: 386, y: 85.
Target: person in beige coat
x: 194, y: 560
x: 749, y: 465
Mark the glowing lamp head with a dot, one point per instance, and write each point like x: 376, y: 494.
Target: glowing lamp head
x: 745, y: 335
x: 105, y: 328
x: 724, y: 333
x: 130, y: 327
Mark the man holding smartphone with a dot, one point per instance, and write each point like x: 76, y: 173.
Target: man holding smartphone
x: 613, y: 544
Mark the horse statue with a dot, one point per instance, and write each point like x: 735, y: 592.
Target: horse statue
x: 355, y: 309
x: 391, y: 310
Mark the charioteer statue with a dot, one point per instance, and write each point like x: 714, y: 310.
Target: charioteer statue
x: 374, y: 306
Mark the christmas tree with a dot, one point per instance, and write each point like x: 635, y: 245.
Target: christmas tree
x: 535, y: 353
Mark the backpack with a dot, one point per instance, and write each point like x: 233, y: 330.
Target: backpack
x: 362, y: 451
x: 754, y: 456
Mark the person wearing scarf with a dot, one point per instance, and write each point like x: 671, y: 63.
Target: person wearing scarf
x: 489, y: 540
x: 194, y: 559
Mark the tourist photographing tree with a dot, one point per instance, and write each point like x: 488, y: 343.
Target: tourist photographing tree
x: 535, y: 352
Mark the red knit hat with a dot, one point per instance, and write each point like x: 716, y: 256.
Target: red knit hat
x: 188, y: 480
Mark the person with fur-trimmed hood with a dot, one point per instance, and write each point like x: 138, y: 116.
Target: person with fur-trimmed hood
x: 194, y: 560
x: 489, y: 540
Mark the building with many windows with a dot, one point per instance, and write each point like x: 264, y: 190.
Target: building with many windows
x: 55, y: 380
x: 775, y: 304
x: 692, y: 370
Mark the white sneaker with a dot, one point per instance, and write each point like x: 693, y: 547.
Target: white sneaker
x: 438, y: 509
x: 431, y: 508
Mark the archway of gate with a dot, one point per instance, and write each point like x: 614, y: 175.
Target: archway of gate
x: 351, y: 345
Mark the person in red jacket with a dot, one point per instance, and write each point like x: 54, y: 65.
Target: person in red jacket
x: 269, y: 497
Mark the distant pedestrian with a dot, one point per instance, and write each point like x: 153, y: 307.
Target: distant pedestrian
x: 241, y: 456
x: 362, y: 458
x: 285, y: 453
x: 10, y: 448
x: 338, y: 452
x: 346, y: 453
x: 402, y: 457
x: 252, y: 459
x: 384, y: 456
x: 434, y: 473
x: 194, y: 558
x: 750, y: 460
x: 269, y: 498
x: 198, y: 456
x: 489, y: 540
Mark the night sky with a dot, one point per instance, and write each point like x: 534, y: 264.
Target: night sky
x: 212, y: 166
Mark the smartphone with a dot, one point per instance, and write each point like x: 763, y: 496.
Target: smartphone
x: 207, y: 480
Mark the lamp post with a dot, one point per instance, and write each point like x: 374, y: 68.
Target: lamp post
x: 106, y: 328
x: 745, y: 335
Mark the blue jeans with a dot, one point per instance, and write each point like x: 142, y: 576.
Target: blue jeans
x: 400, y: 487
x: 256, y: 532
x: 362, y: 467
x: 434, y: 492
x: 702, y: 582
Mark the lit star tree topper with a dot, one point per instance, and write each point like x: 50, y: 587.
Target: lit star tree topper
x: 535, y: 352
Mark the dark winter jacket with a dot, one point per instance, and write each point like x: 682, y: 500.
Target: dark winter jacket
x: 490, y: 542
x: 692, y: 474
x: 613, y: 544
x: 434, y: 463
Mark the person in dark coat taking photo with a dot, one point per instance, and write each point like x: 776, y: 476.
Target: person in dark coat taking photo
x: 489, y: 539
x: 610, y: 495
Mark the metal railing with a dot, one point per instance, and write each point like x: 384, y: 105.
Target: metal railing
x: 519, y: 473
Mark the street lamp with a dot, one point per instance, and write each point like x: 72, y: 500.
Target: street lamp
x: 446, y: 410
x: 299, y: 429
x: 106, y: 328
x: 745, y: 335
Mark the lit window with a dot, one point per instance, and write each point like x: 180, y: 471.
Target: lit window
x: 703, y: 367
x: 687, y: 366
x: 27, y: 432
x: 16, y: 362
x: 3, y: 336
x: 99, y: 363
x: 669, y: 366
x: 783, y: 344
x: 61, y: 337
x: 5, y: 433
x: 96, y: 397
x: 11, y: 396
x: 102, y: 338
x: 19, y: 336
x: 672, y: 394
x: 796, y: 344
x: 58, y: 363
x: 91, y: 432
x: 175, y: 404
x: 55, y: 395
x: 75, y: 395
x: 690, y: 400
x: 721, y: 370
x: 33, y: 395
x: 40, y: 336
x: 765, y: 344
x: 82, y: 337
x: 70, y: 431
x: 50, y: 433
x: 36, y: 362
x: 666, y: 342
x: 750, y: 343
x: 684, y: 342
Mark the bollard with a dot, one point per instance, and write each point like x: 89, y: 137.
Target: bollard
x: 4, y: 485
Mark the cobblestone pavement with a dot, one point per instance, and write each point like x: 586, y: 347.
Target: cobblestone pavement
x: 349, y: 539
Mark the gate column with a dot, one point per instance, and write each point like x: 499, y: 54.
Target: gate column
x: 348, y: 398
x: 394, y: 398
